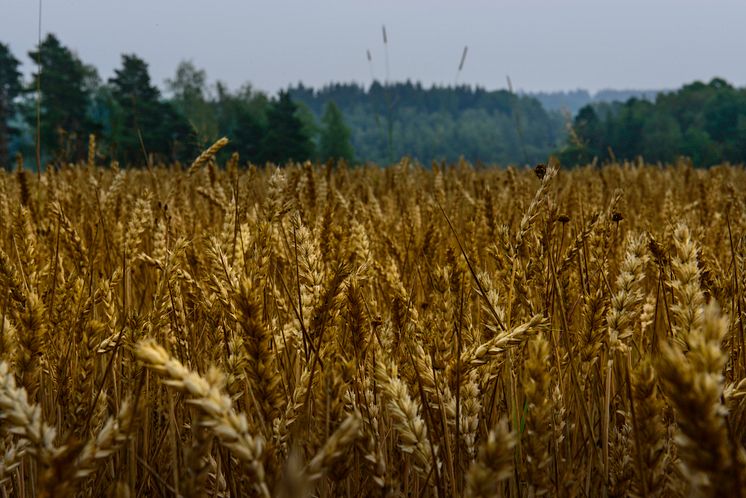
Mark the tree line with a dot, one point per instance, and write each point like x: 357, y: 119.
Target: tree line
x: 705, y: 122
x: 440, y: 123
x: 135, y: 122
x: 574, y: 100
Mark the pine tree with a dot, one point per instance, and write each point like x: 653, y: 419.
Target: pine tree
x: 65, y: 94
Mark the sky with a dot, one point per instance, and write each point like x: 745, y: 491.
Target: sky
x: 543, y: 45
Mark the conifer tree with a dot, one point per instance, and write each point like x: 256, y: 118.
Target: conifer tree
x: 10, y: 89
x: 335, y: 136
x: 285, y: 139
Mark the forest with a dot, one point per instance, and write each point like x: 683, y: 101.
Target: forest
x: 704, y: 122
x: 135, y: 122
x: 440, y: 123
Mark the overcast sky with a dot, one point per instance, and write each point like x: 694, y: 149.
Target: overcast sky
x: 541, y: 44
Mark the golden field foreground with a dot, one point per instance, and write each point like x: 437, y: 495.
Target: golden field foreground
x: 372, y: 332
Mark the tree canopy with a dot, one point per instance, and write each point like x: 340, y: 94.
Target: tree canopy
x: 190, y: 96
x: 144, y: 123
x: 705, y: 122
x: 65, y: 84
x: 10, y: 89
x: 135, y: 122
x: 335, y: 137
x: 440, y: 123
x: 285, y: 139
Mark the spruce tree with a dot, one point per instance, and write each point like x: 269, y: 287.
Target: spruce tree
x: 141, y: 115
x: 286, y: 139
x: 335, y: 136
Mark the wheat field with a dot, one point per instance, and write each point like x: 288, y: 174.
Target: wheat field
x: 404, y: 331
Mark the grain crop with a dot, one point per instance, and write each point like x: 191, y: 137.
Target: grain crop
x: 323, y: 330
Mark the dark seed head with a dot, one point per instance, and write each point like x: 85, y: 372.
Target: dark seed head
x: 617, y: 216
x: 659, y: 254
x: 540, y: 170
x: 563, y: 218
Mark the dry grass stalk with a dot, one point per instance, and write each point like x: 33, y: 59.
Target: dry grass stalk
x: 206, y: 155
